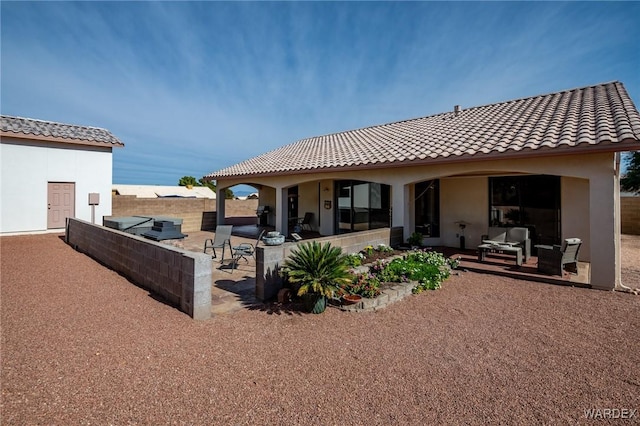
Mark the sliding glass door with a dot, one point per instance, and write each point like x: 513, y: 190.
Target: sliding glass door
x: 362, y: 206
x: 529, y: 201
x: 427, y: 208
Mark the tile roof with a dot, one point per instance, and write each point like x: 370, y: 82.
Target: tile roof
x: 603, y: 115
x: 29, y: 128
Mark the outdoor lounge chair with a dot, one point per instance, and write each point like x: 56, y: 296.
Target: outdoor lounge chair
x: 221, y: 239
x: 244, y: 250
x: 305, y: 223
x: 554, y: 259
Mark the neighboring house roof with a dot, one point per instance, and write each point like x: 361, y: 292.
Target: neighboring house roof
x: 601, y: 117
x: 252, y: 196
x: 158, y: 191
x: 29, y: 128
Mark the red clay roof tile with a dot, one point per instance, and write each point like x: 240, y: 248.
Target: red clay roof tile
x: 577, y: 118
x: 48, y: 130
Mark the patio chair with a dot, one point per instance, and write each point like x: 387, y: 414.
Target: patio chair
x: 554, y: 259
x: 244, y: 250
x: 221, y: 239
x: 305, y: 223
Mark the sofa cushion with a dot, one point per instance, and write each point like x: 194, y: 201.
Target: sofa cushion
x: 497, y: 234
x: 517, y: 235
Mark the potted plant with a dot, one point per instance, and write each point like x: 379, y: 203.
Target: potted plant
x: 415, y: 240
x: 318, y: 270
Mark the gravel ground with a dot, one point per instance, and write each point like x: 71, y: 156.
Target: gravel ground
x: 82, y: 345
x: 631, y: 261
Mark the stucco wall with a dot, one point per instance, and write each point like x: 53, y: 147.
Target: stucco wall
x: 308, y: 202
x: 267, y: 197
x: 26, y: 167
x: 467, y: 200
x: 326, y: 226
x: 630, y: 215
x: 574, y: 210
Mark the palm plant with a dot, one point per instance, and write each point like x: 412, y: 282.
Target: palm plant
x: 318, y: 269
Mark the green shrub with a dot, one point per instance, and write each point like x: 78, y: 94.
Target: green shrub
x: 454, y: 263
x: 317, y: 269
x: 415, y: 239
x: 368, y: 250
x: 383, y: 248
x: 428, y: 268
x: 365, y: 285
x: 354, y: 259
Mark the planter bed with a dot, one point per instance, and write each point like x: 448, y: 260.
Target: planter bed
x: 391, y: 293
x: 364, y: 268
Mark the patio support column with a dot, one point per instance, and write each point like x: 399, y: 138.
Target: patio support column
x: 400, y: 200
x: 604, y: 234
x: 281, y: 210
x: 220, y: 203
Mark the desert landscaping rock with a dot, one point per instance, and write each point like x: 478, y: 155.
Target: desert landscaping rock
x: 82, y: 345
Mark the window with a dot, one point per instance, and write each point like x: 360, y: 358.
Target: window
x: 362, y: 206
x: 427, y: 208
x: 529, y: 201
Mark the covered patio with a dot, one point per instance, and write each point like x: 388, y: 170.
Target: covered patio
x: 504, y: 265
x: 234, y: 289
x: 550, y: 163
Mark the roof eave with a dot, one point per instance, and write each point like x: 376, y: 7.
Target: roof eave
x: 42, y: 138
x: 605, y: 146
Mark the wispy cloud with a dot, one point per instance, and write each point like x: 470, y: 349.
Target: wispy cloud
x: 196, y: 86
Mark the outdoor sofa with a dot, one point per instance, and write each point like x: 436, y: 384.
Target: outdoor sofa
x: 516, y: 236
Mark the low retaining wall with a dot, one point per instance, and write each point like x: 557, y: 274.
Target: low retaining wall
x: 181, y: 277
x: 388, y: 296
x: 270, y: 258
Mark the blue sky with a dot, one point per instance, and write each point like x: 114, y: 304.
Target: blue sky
x: 193, y: 87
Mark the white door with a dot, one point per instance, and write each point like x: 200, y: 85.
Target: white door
x: 61, y: 203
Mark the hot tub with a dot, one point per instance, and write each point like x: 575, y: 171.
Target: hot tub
x: 138, y: 225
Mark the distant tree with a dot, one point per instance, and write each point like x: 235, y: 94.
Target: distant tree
x: 188, y: 180
x: 228, y: 193
x: 209, y: 184
x: 631, y: 180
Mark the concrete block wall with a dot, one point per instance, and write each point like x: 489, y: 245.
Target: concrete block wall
x: 269, y: 259
x: 190, y: 210
x: 197, y: 214
x: 181, y: 277
x: 630, y: 215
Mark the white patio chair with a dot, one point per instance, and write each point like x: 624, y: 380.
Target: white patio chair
x: 221, y: 239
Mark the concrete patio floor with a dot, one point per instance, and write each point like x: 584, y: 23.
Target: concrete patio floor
x: 231, y: 289
x: 504, y: 265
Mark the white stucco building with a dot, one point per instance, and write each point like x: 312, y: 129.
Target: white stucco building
x: 550, y: 163
x: 51, y: 171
